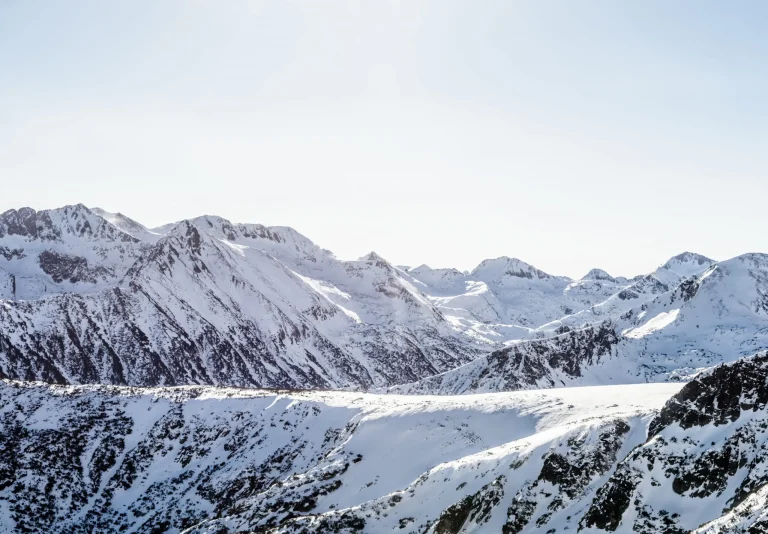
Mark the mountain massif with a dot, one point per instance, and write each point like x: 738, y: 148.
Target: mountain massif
x: 210, y: 377
x: 100, y: 299
x: 95, y: 297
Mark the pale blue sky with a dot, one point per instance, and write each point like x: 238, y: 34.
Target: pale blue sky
x: 570, y: 134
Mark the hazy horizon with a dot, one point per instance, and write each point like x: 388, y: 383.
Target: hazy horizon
x: 608, y: 135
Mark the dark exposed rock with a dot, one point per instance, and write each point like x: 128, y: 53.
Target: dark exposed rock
x: 694, y: 460
x: 73, y: 269
x: 22, y: 222
x: 612, y: 500
x: 12, y: 253
x: 475, y: 509
x: 570, y: 470
x: 529, y: 364
x: 718, y: 397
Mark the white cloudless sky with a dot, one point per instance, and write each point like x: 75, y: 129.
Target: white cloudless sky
x: 569, y: 134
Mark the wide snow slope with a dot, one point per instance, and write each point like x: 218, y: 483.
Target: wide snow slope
x: 196, y: 459
x: 646, y: 458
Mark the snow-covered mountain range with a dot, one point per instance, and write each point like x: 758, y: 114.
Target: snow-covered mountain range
x: 133, y: 363
x: 718, y: 315
x: 101, y: 299
x: 91, y: 296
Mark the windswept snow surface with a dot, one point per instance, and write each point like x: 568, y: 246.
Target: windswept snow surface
x: 654, y: 324
x: 198, y: 459
x: 648, y: 458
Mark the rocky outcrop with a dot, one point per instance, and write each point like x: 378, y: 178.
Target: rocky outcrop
x: 708, y: 444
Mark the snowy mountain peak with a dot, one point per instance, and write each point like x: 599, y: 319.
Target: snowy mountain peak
x: 377, y: 260
x: 756, y: 259
x: 217, y: 225
x: 281, y: 242
x: 128, y: 225
x: 424, y: 268
x: 20, y: 222
x: 687, y: 263
x: 190, y: 234
x: 75, y: 222
x: 598, y: 274
x: 680, y: 267
x: 495, y: 270
x: 425, y: 271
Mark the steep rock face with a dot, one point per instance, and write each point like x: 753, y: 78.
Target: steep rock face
x: 102, y: 459
x: 704, y: 462
x: 719, y: 396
